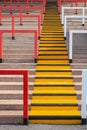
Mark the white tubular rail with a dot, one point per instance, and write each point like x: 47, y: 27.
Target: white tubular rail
x: 71, y: 41
x: 84, y: 96
x: 70, y: 8
x: 65, y: 22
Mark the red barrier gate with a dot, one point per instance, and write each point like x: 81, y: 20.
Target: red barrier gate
x: 25, y: 90
x: 19, y: 31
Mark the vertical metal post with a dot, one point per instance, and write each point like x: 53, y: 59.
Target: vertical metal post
x: 13, y: 28
x: 65, y: 27
x: 1, y: 47
x: 83, y: 14
x: 25, y: 98
x: 62, y: 16
x: 70, y: 45
x: 84, y: 93
x: 0, y: 16
x: 20, y: 15
x: 35, y: 47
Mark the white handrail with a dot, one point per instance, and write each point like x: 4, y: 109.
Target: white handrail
x: 70, y: 8
x: 71, y: 41
x: 84, y: 96
x: 65, y: 22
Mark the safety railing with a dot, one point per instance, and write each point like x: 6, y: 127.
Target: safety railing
x: 72, y: 8
x: 71, y: 17
x: 19, y: 31
x: 27, y: 2
x: 71, y: 2
x: 21, y: 8
x: 71, y: 41
x: 21, y: 17
x: 84, y: 96
x: 25, y: 90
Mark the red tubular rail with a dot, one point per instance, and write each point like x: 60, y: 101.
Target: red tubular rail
x: 20, y: 8
x: 20, y: 31
x: 25, y: 90
x: 59, y: 2
x: 21, y: 21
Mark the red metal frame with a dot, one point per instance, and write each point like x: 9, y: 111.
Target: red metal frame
x: 19, y: 31
x: 21, y: 20
x: 71, y: 1
x: 25, y: 90
x: 20, y: 8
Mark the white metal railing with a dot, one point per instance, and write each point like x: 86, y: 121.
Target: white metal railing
x: 71, y: 41
x: 84, y: 96
x: 65, y: 22
x: 70, y: 8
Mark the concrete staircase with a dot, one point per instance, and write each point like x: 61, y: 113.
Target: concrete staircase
x: 11, y: 86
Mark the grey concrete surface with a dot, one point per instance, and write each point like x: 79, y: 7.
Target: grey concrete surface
x: 44, y: 127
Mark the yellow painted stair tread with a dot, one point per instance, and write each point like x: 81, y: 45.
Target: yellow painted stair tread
x: 55, y: 108
x: 52, y: 44
x: 60, y: 122
x: 54, y: 74
x: 53, y: 57
x: 53, y: 98
x: 53, y: 52
x: 56, y: 113
x: 55, y: 36
x: 53, y: 61
x: 62, y: 101
x: 53, y: 88
x: 51, y: 38
x: 53, y: 81
x: 53, y: 49
x: 53, y: 91
x: 53, y: 67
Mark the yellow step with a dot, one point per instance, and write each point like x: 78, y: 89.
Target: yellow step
x: 53, y: 49
x: 54, y: 113
x: 53, y: 81
x: 52, y: 44
x: 53, y: 67
x: 51, y: 90
x: 53, y: 74
x: 51, y: 38
x: 53, y: 57
x: 54, y: 99
x: 55, y: 108
x: 58, y: 102
x: 60, y: 122
x: 52, y: 61
x: 53, y: 52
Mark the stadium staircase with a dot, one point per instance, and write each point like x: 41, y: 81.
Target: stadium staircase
x: 54, y: 99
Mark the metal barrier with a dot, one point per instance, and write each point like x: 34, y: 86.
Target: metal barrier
x: 71, y: 41
x: 21, y: 20
x: 84, y: 96
x: 19, y: 31
x: 25, y: 90
x: 65, y: 22
x: 70, y: 8
x: 71, y: 2
x: 21, y: 8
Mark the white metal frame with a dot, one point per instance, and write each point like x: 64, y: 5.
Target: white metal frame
x: 84, y: 95
x: 65, y: 22
x: 71, y: 41
x: 70, y: 8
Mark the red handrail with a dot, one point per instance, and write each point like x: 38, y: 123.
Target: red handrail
x: 19, y: 31
x: 21, y: 20
x: 25, y: 90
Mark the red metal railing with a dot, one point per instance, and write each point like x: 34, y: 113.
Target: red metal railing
x: 59, y: 2
x: 21, y: 8
x: 19, y: 31
x: 25, y: 90
x: 21, y: 20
